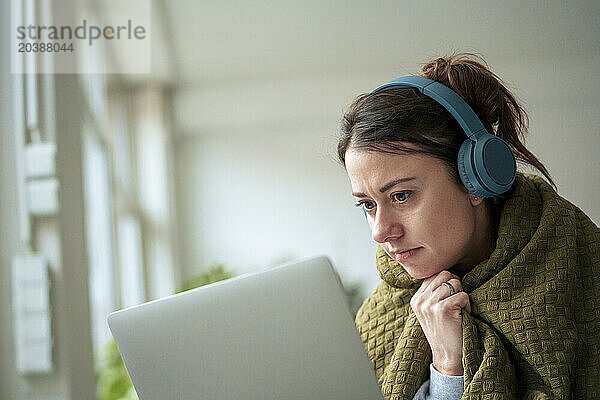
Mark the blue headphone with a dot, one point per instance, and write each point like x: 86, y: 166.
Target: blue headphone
x: 486, y: 164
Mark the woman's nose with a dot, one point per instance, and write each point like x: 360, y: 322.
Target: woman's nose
x: 385, y: 227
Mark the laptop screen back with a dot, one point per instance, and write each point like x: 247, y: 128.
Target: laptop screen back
x: 285, y: 333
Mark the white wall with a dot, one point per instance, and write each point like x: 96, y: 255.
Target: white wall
x: 563, y: 99
x: 252, y: 200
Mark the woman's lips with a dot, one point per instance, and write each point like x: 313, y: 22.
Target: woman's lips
x: 405, y: 255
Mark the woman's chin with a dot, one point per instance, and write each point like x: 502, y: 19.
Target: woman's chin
x: 421, y: 276
x: 416, y: 274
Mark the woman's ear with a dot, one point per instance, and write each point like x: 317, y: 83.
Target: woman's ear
x: 475, y: 200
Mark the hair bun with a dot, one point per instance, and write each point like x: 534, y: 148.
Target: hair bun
x: 437, y: 69
x: 470, y: 77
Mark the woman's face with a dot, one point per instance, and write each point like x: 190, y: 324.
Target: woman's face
x: 417, y: 212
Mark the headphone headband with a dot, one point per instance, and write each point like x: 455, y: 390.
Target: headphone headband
x: 460, y: 110
x: 486, y: 164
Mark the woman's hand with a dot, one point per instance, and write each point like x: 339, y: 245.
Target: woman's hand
x: 439, y: 313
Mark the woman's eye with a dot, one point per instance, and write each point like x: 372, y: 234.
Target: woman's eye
x: 401, y: 197
x: 365, y: 205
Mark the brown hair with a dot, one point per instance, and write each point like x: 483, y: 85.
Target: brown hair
x: 382, y: 120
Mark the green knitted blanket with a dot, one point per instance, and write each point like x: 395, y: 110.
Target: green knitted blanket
x: 534, y: 330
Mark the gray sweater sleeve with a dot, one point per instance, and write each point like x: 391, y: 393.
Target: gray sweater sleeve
x: 440, y: 387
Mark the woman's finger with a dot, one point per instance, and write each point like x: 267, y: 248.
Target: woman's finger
x: 439, y: 279
x: 460, y: 299
x: 443, y: 291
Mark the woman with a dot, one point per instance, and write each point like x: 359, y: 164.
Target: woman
x: 484, y: 293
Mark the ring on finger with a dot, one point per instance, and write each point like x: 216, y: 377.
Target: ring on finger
x: 449, y: 286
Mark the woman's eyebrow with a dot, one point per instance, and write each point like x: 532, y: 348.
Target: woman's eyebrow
x: 387, y: 186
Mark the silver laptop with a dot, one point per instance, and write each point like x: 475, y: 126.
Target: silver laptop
x: 285, y: 333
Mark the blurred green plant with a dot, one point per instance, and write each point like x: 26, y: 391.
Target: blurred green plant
x: 214, y: 273
x: 113, y: 382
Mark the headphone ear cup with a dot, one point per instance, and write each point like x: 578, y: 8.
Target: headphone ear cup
x: 464, y: 163
x: 494, y: 164
x: 486, y: 167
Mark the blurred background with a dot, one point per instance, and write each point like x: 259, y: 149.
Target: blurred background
x: 116, y: 189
